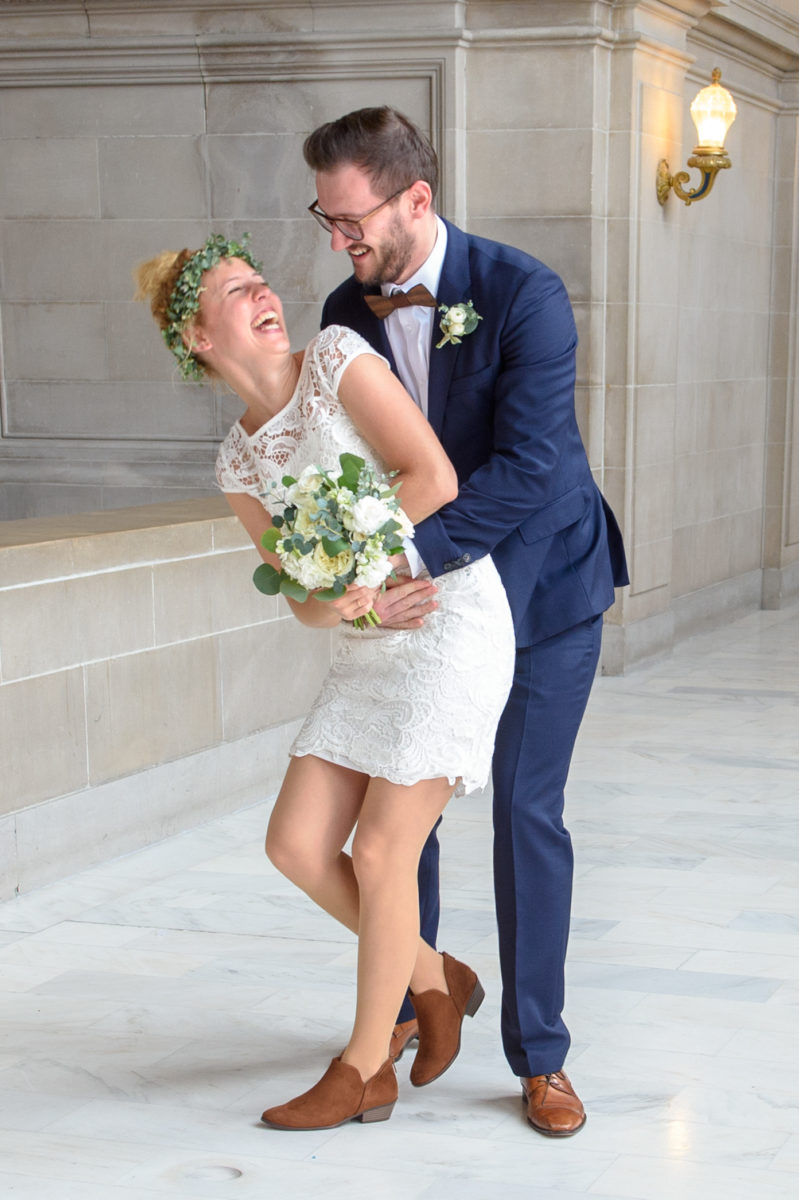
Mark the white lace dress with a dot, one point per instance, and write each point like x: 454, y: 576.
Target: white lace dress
x: 403, y: 705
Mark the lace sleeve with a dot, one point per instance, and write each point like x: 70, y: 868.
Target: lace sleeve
x: 335, y: 348
x: 236, y: 468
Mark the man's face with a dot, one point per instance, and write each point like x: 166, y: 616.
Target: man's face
x: 389, y: 250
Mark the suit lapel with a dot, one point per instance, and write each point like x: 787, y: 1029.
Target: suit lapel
x: 453, y: 287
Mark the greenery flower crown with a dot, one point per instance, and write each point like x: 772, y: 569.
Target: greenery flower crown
x: 184, y: 301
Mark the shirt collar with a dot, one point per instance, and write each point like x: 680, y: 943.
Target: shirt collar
x: 430, y: 271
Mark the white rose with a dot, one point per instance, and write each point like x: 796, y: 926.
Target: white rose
x: 306, y: 572
x: 456, y: 315
x: 303, y: 524
x: 369, y: 514
x: 331, y: 568
x: 307, y: 485
x: 456, y: 328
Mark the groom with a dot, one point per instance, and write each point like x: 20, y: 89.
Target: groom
x: 499, y: 392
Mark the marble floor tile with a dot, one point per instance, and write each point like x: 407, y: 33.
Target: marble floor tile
x: 151, y: 1007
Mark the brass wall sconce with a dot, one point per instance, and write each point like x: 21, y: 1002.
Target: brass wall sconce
x: 713, y: 112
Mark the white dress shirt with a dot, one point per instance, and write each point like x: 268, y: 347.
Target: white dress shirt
x: 409, y: 332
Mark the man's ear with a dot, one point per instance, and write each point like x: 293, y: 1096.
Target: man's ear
x: 420, y: 198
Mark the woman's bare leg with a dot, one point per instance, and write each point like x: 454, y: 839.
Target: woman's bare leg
x: 314, y: 815
x: 392, y: 828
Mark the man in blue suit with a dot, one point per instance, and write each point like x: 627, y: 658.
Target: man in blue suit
x: 498, y: 388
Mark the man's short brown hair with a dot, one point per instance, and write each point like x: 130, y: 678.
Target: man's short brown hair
x: 382, y: 142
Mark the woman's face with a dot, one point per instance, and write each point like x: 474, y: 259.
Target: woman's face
x: 240, y: 317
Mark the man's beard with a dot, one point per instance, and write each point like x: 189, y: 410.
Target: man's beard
x: 393, y: 258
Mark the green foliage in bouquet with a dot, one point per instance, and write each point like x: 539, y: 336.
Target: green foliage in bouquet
x: 333, y: 531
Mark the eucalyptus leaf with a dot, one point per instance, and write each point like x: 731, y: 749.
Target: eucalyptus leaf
x: 293, y: 590
x: 266, y: 579
x: 331, y: 593
x: 332, y: 548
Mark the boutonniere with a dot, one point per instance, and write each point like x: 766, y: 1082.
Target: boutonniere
x: 457, y: 321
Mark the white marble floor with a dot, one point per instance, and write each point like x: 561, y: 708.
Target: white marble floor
x: 152, y: 1007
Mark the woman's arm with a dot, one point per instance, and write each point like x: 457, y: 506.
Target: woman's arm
x: 393, y: 425
x: 320, y: 614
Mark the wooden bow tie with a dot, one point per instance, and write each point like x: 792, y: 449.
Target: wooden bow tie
x: 381, y: 306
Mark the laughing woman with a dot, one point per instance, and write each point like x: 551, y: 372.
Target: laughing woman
x: 404, y: 717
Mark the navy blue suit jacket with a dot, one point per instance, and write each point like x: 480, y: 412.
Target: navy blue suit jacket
x: 502, y: 404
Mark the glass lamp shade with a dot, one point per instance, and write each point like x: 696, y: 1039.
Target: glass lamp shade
x: 713, y: 112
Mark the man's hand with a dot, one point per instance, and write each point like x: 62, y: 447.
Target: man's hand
x: 405, y: 603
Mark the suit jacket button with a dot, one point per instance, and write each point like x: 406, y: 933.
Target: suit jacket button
x: 467, y: 558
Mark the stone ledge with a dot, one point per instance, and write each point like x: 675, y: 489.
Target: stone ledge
x: 146, y: 516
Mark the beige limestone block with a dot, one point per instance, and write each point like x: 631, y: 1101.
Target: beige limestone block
x: 535, y: 167
x: 652, y: 565
x: 99, y: 409
x: 152, y: 707
x: 652, y: 502
x: 42, y: 739
x: 656, y: 343
x: 204, y: 594
x: 110, y: 109
x: 530, y: 88
x: 694, y: 490
x: 685, y: 419
x: 746, y: 537
x: 49, y: 177
x: 155, y: 177
x: 298, y: 106
x: 616, y: 432
x: 45, y: 262
x: 227, y: 533
x: 256, y: 176
x: 21, y: 500
x: 701, y: 555
x: 54, y: 341
x: 270, y: 674
x: 654, y: 426
x: 65, y: 622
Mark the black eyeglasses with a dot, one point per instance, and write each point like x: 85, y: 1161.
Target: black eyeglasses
x: 350, y: 229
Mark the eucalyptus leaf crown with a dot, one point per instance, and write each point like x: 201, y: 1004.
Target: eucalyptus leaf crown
x: 184, y: 301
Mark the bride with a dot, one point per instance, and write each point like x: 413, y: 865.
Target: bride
x: 405, y: 717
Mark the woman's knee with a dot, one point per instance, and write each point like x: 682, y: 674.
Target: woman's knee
x: 289, y: 854
x: 372, y: 859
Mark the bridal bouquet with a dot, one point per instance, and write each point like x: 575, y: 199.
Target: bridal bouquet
x: 334, y: 530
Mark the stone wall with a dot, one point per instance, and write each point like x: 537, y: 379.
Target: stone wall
x: 126, y: 128
x: 145, y: 686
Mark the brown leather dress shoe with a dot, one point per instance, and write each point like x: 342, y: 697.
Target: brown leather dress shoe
x: 553, y: 1106
x: 440, y: 1017
x: 402, y: 1033
x: 339, y: 1096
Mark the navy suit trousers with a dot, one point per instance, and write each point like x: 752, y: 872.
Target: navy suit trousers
x: 533, y: 861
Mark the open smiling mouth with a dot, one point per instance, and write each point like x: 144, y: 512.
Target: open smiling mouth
x: 266, y: 321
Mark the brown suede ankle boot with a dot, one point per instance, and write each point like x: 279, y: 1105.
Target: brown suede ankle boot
x: 338, y: 1097
x: 440, y: 1017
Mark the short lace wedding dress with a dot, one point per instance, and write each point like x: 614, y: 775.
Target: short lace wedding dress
x: 403, y: 705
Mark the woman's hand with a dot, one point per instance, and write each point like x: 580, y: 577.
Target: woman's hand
x: 357, y: 601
